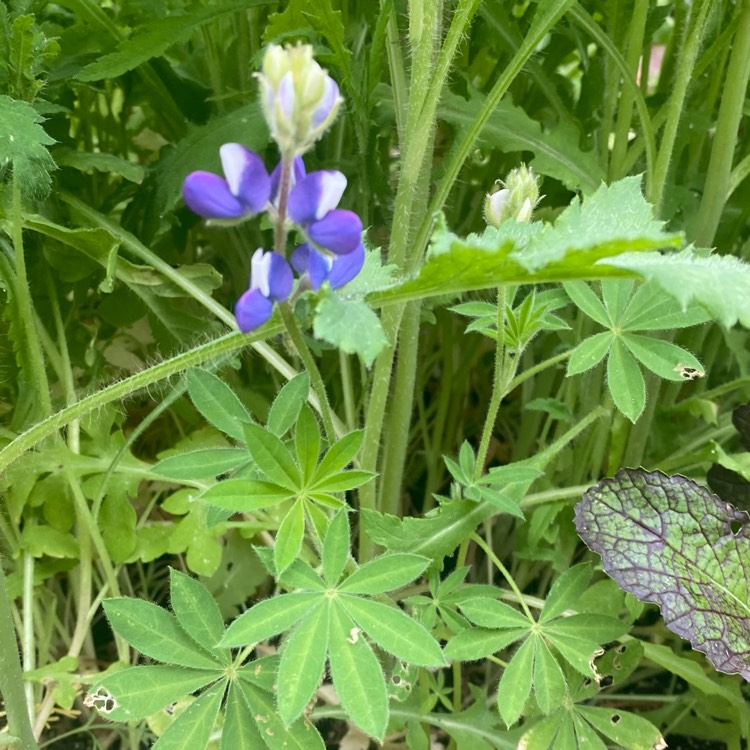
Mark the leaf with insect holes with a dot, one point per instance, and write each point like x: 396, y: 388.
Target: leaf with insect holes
x: 670, y: 541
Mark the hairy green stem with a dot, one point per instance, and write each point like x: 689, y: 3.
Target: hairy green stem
x: 716, y: 187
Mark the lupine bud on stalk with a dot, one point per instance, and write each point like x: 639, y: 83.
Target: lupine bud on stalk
x: 300, y: 100
x: 516, y: 200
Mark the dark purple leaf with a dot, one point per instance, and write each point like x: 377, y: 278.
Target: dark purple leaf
x: 670, y: 541
x: 729, y: 486
x: 741, y: 422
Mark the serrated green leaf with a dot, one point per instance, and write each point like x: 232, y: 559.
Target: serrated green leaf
x: 272, y: 457
x: 268, y: 618
x: 136, y: 692
x: 245, y: 495
x: 289, y: 537
x: 351, y: 326
x: 336, y: 547
x: 357, y: 675
x: 196, y: 610
x: 287, y: 404
x: 478, y: 643
x: 205, y: 463
x: 303, y: 659
x: 670, y: 541
x: 23, y: 142
x: 217, y: 402
x: 589, y: 353
x: 339, y: 455
x: 720, y: 283
x: 667, y: 360
x: 394, y: 631
x: 514, y: 687
x: 625, y: 381
x: 385, y: 573
x: 622, y: 727
x: 155, y: 633
x: 193, y: 727
x: 491, y: 613
x: 565, y: 591
x: 549, y: 682
x: 307, y: 442
x: 586, y: 300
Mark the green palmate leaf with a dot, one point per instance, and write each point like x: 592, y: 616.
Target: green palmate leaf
x: 615, y: 295
x: 720, y: 283
x: 336, y: 547
x: 394, y: 631
x: 589, y: 353
x: 218, y: 403
x: 196, y: 610
x: 543, y: 734
x: 385, y: 573
x: 339, y: 455
x: 549, y: 682
x: 345, y: 480
x: 245, y: 495
x: 514, y: 687
x: 478, y: 643
x: 240, y: 730
x: 193, y: 727
x: 565, y: 591
x: 536, y: 253
x: 357, y: 675
x: 269, y: 618
x: 433, y: 537
x: 667, y: 360
x: 578, y: 652
x: 623, y: 728
x: 625, y: 381
x: 301, y: 735
x: 298, y: 575
x: 670, y: 541
x: 287, y: 404
x: 650, y: 309
x: 156, y: 38
x: 272, y: 457
x: 349, y: 325
x: 205, y: 463
x: 307, y: 442
x: 137, y: 692
x: 23, y: 143
x: 490, y: 613
x: 585, y: 299
x: 289, y: 537
x: 556, y: 152
x: 302, y: 662
x: 156, y: 633
x: 590, y: 627
x: 109, y: 164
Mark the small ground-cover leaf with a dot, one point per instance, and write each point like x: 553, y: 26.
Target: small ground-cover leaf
x: 670, y: 541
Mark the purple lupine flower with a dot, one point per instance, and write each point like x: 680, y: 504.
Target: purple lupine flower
x: 312, y: 206
x: 243, y: 193
x: 271, y: 281
x: 298, y: 173
x: 337, y: 270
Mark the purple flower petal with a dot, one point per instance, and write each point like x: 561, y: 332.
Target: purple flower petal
x: 208, y: 195
x: 346, y: 267
x: 271, y: 275
x: 339, y: 231
x: 327, y: 102
x: 246, y: 176
x: 315, y: 195
x: 301, y: 258
x: 318, y: 268
x: 285, y: 96
x: 252, y: 310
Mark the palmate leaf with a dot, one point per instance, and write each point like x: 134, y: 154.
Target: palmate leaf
x: 670, y: 541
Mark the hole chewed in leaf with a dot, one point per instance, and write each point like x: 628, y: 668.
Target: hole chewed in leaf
x: 670, y: 541
x: 102, y: 700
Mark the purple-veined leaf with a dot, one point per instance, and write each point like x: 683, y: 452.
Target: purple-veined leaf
x: 670, y: 541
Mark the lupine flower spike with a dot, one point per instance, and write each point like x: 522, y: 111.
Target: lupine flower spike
x: 516, y: 200
x: 271, y: 280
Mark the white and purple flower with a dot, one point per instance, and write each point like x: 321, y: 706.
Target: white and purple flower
x: 244, y: 192
x: 320, y: 267
x: 271, y: 280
